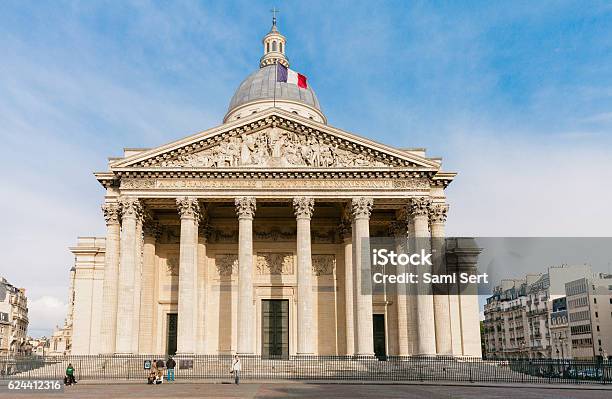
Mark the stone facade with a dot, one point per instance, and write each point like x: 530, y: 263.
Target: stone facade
x: 270, y: 205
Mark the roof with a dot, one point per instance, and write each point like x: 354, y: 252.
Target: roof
x: 260, y: 85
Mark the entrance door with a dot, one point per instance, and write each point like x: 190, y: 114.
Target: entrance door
x: 275, y: 329
x: 380, y: 346
x: 171, y: 333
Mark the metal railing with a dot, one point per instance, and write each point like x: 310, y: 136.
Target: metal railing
x: 393, y: 368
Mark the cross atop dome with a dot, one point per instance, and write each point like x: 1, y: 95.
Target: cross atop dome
x: 274, y: 10
x: 274, y: 45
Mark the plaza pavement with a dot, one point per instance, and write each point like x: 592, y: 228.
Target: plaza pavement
x: 315, y: 390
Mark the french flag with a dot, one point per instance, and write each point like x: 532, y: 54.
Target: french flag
x: 284, y: 74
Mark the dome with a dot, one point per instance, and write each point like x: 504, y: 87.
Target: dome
x: 258, y: 89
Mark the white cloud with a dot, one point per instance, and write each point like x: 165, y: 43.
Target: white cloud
x: 511, y: 186
x: 45, y: 313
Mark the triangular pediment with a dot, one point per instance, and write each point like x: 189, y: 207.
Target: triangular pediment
x: 274, y: 139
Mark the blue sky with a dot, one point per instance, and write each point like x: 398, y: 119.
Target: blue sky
x: 515, y: 96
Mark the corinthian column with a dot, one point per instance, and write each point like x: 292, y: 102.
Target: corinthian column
x: 419, y: 211
x: 189, y: 210
x: 112, y: 215
x: 245, y: 208
x: 131, y: 212
x: 362, y: 283
x: 346, y: 235
x: 151, y: 230
x: 437, y: 218
x: 203, y: 230
x: 399, y: 230
x: 137, y: 285
x: 303, y: 207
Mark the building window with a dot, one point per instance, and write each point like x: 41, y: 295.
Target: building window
x: 596, y: 314
x: 281, y: 46
x: 274, y: 45
x: 595, y: 300
x: 268, y: 47
x: 597, y: 328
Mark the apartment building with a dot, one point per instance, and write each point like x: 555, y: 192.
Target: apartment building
x: 13, y: 319
x: 559, y: 330
x: 518, y: 321
x: 589, y: 302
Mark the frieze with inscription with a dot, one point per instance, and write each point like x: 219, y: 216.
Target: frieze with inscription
x: 194, y: 184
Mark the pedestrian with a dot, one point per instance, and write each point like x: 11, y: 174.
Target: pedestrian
x: 170, y: 365
x: 69, y: 380
x: 236, y: 369
x: 152, y: 376
x: 159, y: 364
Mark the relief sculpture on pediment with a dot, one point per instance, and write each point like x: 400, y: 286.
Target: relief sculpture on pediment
x: 273, y: 147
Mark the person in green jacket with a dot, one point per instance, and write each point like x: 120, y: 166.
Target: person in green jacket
x: 70, y: 375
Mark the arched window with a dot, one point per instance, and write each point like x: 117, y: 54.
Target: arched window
x: 274, y: 45
x: 267, y: 47
x: 281, y: 46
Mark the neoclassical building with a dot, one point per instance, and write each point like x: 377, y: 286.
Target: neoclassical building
x: 247, y: 238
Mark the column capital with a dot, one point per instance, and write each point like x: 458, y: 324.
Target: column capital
x: 303, y: 207
x: 112, y: 213
x: 188, y: 207
x: 419, y: 206
x: 150, y: 226
x: 245, y: 207
x: 438, y: 213
x: 362, y: 207
x: 204, y: 227
x: 345, y: 230
x: 130, y: 207
x: 398, y: 228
